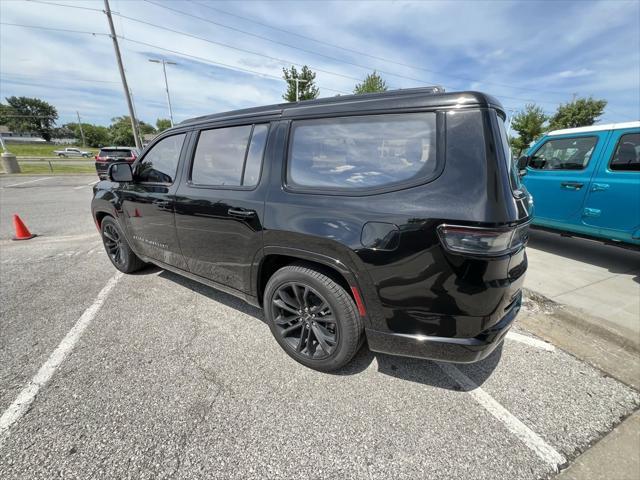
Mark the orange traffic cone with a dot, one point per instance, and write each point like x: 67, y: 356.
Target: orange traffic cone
x: 22, y: 232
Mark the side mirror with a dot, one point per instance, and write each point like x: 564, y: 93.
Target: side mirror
x: 120, y: 172
x: 521, y: 164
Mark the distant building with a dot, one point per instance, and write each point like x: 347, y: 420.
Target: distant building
x: 147, y: 137
x: 17, y: 137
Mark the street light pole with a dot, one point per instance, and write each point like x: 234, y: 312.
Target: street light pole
x: 134, y: 125
x: 297, y: 80
x: 166, y: 83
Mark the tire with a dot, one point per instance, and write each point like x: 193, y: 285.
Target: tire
x: 61, y: 155
x: 322, y: 338
x: 85, y: 156
x: 117, y: 248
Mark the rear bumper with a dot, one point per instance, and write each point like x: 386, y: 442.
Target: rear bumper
x: 446, y: 349
x: 101, y: 169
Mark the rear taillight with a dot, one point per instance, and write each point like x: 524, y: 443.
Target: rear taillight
x: 100, y: 159
x: 483, y: 241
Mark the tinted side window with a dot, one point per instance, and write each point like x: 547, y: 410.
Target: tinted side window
x: 254, y: 155
x: 564, y: 154
x: 362, y: 152
x: 160, y: 163
x: 627, y: 154
x: 219, y: 156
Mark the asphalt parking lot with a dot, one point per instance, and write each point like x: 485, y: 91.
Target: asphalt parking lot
x: 171, y: 379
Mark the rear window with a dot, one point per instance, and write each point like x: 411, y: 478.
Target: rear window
x: 627, y: 154
x: 116, y: 153
x: 362, y: 152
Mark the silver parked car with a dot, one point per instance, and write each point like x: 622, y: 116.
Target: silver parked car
x: 72, y: 152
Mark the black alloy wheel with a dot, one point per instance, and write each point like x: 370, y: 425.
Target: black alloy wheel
x: 117, y: 248
x: 312, y: 317
x: 305, y: 321
x: 113, y: 244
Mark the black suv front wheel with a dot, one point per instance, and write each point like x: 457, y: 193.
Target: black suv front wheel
x: 312, y: 317
x: 117, y: 248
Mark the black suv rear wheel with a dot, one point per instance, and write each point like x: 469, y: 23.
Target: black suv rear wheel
x: 312, y: 317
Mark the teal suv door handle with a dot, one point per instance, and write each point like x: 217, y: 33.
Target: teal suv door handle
x: 571, y: 185
x: 591, y: 212
x: 598, y: 187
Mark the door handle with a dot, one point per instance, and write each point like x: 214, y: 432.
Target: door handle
x: 571, y: 185
x: 597, y: 187
x: 239, y: 212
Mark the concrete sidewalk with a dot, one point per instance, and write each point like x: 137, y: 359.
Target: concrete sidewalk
x: 599, y: 283
x: 616, y: 456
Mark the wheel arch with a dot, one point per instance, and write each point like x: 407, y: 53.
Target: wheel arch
x: 276, y: 258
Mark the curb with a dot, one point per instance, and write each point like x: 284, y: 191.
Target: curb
x: 587, y: 323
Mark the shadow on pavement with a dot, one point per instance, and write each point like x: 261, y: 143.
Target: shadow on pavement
x: 409, y: 369
x: 614, y: 259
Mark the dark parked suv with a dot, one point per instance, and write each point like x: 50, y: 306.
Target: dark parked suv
x: 109, y: 155
x: 395, y: 217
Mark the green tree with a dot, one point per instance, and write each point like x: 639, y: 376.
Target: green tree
x: 25, y: 114
x: 95, y: 135
x: 371, y: 84
x: 307, y: 89
x: 580, y: 112
x: 63, y: 132
x: 162, y: 124
x: 120, y: 132
x: 529, y: 123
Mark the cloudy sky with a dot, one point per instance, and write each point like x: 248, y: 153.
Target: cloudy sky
x: 230, y: 54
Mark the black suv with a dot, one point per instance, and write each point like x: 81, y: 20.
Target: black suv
x: 109, y: 155
x: 395, y: 217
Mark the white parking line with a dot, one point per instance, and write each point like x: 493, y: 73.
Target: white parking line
x: 534, y: 342
x: 530, y: 438
x: 87, y: 185
x: 28, y: 181
x: 25, y: 398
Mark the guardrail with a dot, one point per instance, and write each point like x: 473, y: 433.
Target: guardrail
x: 56, y: 165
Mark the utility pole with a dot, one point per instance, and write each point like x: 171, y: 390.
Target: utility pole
x: 166, y: 84
x: 297, y: 80
x: 134, y: 125
x: 84, y: 143
x: 135, y: 113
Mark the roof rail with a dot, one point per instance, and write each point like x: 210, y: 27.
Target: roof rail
x: 280, y: 108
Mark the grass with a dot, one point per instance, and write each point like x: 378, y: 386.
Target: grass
x: 43, y: 167
x: 21, y: 150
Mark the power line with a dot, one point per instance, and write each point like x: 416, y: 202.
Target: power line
x: 195, y: 57
x: 335, y: 59
x: 66, y: 5
x: 310, y: 51
x: 224, y: 65
x: 226, y: 45
x: 74, y: 78
x: 365, y: 54
x: 39, y: 27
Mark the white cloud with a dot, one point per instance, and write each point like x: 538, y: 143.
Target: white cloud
x: 539, y: 55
